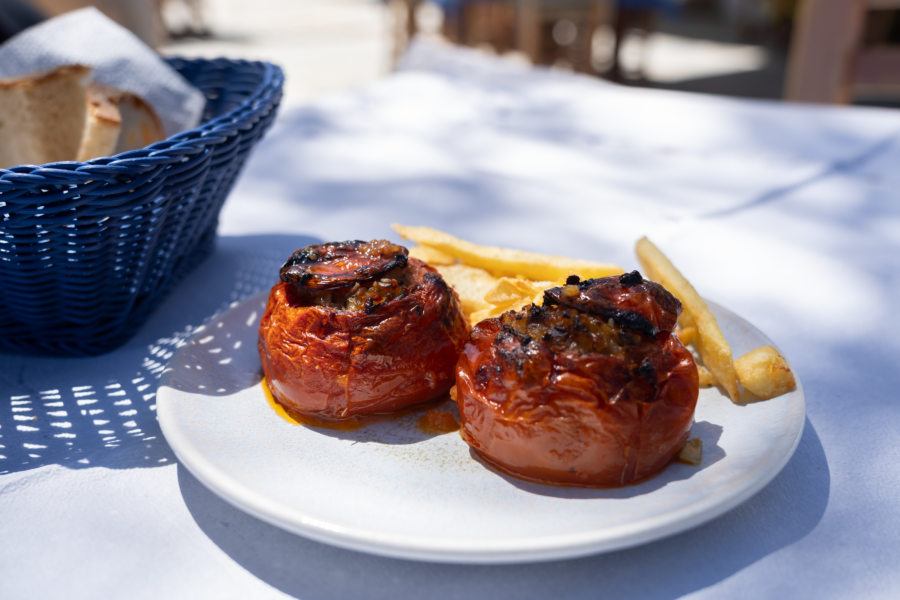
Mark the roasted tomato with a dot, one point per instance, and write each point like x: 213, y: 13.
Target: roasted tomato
x: 590, y: 389
x: 355, y: 328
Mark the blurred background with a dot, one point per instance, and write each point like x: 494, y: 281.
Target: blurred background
x: 832, y: 51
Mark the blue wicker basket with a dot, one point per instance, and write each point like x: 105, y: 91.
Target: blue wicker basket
x: 88, y: 250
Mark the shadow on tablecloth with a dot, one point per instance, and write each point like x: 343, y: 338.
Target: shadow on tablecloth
x: 781, y: 514
x: 101, y: 411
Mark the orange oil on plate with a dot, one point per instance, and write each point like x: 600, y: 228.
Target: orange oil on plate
x: 433, y: 421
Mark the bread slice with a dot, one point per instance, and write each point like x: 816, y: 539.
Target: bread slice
x: 42, y: 116
x: 140, y: 124
x: 117, y: 121
x: 103, y: 123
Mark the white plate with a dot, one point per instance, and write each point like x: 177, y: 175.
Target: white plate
x: 389, y: 488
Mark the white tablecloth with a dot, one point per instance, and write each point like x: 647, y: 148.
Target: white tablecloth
x: 786, y: 214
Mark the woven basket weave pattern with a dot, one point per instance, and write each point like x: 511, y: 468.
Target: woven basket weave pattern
x: 88, y: 250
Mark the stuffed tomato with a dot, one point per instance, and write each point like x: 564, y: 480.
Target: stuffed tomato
x: 592, y: 388
x: 355, y: 328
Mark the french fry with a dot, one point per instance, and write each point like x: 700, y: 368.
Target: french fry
x: 489, y: 312
x: 710, y: 343
x: 506, y: 262
x: 432, y: 256
x: 685, y: 320
x: 765, y: 373
x: 692, y: 452
x: 470, y: 283
x: 705, y: 377
x: 510, y: 293
x: 686, y: 335
x: 514, y: 290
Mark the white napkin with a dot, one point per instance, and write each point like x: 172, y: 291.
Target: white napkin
x: 119, y: 58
